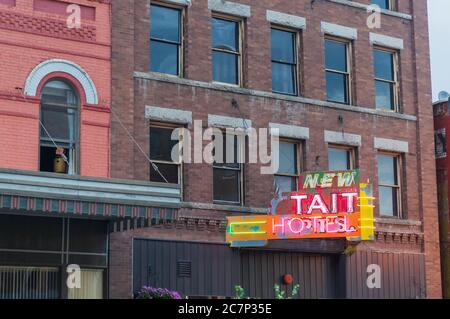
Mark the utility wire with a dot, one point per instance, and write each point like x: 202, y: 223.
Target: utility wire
x: 155, y: 167
x: 46, y: 132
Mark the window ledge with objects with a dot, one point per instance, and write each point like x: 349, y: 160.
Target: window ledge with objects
x: 153, y: 76
x: 365, y: 6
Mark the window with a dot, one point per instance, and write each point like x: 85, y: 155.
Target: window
x: 341, y: 158
x: 389, y: 185
x: 284, y: 62
x: 58, y: 138
x: 386, y: 85
x: 384, y: 4
x: 337, y: 65
x: 161, y: 145
x: 227, y: 172
x: 226, y: 51
x: 286, y: 179
x: 165, y: 40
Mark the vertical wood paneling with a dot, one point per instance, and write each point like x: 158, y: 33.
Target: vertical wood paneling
x: 402, y: 275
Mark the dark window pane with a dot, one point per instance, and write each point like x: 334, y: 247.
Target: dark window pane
x: 161, y: 144
x: 230, y: 151
x: 387, y: 170
x: 59, y: 123
x: 283, y: 78
x: 225, y: 67
x: 383, y: 65
x: 225, y: 35
x: 336, y: 87
x: 165, y: 23
x: 226, y: 185
x: 283, y: 46
x: 336, y: 55
x: 388, y: 201
x: 169, y: 171
x: 164, y: 57
x: 288, y: 158
x: 47, y: 159
x: 338, y: 159
x: 88, y: 236
x: 384, y: 95
x: 285, y: 184
x: 383, y: 4
x: 59, y: 92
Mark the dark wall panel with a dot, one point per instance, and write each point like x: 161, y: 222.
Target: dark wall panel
x: 317, y: 275
x: 214, y: 268
x: 402, y: 275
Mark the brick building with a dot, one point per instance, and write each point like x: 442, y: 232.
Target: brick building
x: 441, y: 126
x: 343, y: 96
x: 57, y: 202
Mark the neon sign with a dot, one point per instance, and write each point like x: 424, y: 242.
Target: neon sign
x: 327, y: 205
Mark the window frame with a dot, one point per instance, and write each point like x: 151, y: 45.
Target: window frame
x: 240, y: 54
x: 47, y: 142
x: 182, y: 11
x: 240, y: 157
x: 399, y: 187
x: 163, y: 125
x: 299, y: 164
x: 297, y: 50
x: 395, y: 82
x: 392, y: 5
x: 352, y: 154
x: 349, y: 73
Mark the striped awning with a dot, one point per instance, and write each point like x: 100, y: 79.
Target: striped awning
x: 10, y: 203
x: 33, y: 192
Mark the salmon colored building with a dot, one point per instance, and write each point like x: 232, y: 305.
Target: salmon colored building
x: 57, y: 203
x: 36, y: 47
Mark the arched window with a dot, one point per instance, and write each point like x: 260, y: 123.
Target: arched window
x: 59, y: 128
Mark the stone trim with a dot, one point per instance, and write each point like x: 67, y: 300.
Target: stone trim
x: 365, y: 7
x: 225, y: 208
x: 339, y: 30
x: 290, y: 131
x: 297, y: 99
x: 342, y: 138
x: 286, y: 20
x: 386, y: 41
x: 228, y: 121
x: 228, y: 7
x: 64, y: 66
x: 168, y: 115
x: 391, y: 145
x: 179, y: 2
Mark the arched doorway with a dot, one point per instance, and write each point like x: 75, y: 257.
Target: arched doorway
x: 59, y: 129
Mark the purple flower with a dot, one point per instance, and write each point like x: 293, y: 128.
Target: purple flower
x: 157, y: 293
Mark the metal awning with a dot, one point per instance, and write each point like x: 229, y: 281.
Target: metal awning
x: 32, y: 192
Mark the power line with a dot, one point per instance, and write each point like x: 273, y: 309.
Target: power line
x: 155, y: 167
x: 46, y: 132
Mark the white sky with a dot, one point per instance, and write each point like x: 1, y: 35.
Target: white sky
x: 439, y: 19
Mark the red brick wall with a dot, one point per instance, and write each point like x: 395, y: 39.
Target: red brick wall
x: 29, y: 37
x: 130, y: 51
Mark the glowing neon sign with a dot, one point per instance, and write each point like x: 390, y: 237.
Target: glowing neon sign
x: 327, y: 205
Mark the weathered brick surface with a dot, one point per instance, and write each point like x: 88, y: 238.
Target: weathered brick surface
x: 130, y: 53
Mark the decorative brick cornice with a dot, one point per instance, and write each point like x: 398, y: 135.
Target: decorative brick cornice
x: 45, y: 26
x: 201, y: 224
